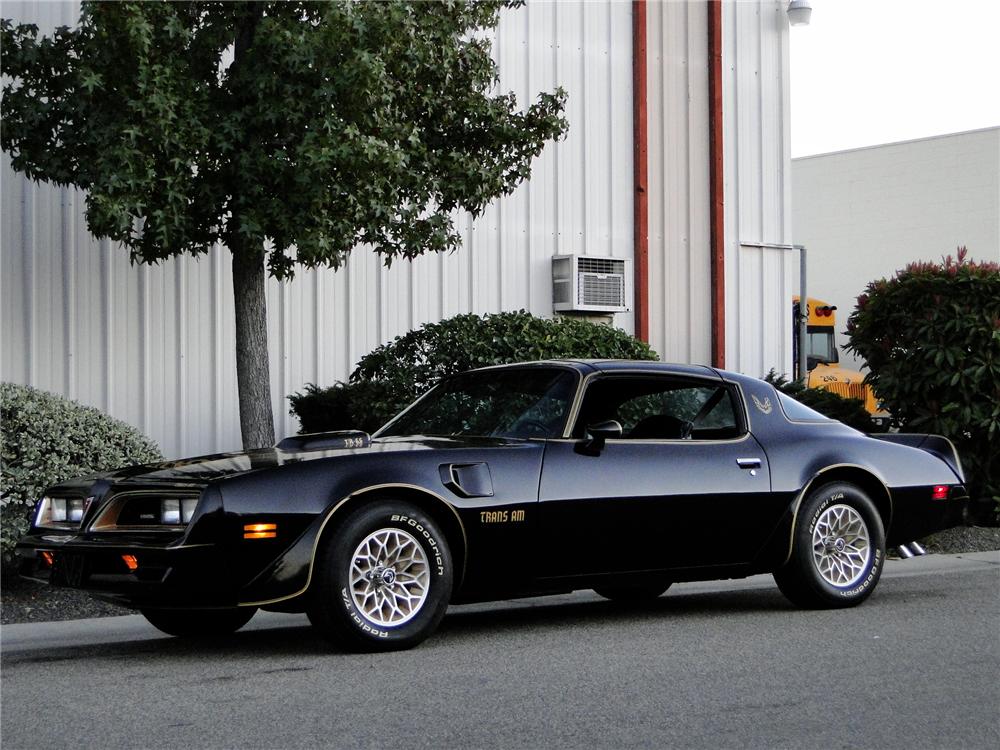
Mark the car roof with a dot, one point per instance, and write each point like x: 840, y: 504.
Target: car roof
x: 587, y: 366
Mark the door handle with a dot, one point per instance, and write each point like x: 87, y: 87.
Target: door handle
x: 748, y: 463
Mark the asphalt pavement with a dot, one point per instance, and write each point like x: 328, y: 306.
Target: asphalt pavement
x: 713, y: 665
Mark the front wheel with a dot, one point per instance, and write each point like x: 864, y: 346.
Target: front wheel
x: 838, y: 549
x: 190, y: 623
x: 383, y: 579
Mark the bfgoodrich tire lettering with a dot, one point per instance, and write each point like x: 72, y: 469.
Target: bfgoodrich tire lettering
x: 193, y: 623
x: 838, y: 549
x: 383, y: 578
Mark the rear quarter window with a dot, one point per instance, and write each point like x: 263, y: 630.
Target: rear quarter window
x: 798, y: 412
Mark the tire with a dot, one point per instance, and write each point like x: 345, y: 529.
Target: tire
x: 192, y: 623
x: 634, y: 593
x: 838, y: 549
x: 364, y: 604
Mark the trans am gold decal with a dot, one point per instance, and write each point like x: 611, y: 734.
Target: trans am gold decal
x: 501, y: 516
x: 764, y: 406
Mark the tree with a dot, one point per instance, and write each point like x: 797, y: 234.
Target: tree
x: 931, y: 338
x: 291, y: 132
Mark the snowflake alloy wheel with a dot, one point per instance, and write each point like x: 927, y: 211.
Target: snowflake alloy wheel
x: 389, y: 577
x: 841, y: 546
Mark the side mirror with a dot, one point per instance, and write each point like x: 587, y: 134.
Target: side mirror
x: 598, y: 434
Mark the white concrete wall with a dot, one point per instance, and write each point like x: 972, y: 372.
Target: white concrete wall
x: 867, y: 212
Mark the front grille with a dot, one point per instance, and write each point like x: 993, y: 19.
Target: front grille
x: 140, y: 510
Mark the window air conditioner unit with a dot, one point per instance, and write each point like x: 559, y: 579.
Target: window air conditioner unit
x: 591, y: 283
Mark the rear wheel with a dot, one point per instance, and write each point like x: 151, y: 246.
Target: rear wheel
x: 383, y: 579
x: 633, y: 593
x: 838, y: 549
x: 190, y: 623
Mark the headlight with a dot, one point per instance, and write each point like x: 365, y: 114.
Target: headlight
x: 61, y: 512
x: 175, y: 511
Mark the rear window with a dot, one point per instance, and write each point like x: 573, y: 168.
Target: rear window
x: 799, y: 412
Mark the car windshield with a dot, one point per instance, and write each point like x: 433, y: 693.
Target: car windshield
x: 530, y: 402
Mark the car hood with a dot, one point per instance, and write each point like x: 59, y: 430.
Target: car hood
x: 203, y: 469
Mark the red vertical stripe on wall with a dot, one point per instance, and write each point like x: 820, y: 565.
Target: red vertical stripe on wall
x: 640, y: 170
x: 716, y: 195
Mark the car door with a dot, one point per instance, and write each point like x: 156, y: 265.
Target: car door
x: 684, y: 486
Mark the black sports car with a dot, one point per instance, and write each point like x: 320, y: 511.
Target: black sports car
x: 508, y: 481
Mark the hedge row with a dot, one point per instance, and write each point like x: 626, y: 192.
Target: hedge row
x: 46, y: 439
x: 393, y: 375
x: 931, y: 338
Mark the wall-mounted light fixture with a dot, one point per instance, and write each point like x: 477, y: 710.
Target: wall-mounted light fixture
x: 799, y: 12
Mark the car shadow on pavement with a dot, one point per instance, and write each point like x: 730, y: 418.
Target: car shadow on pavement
x: 462, y: 623
x: 600, y: 611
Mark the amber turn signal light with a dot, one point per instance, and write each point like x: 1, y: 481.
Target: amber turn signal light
x: 48, y: 557
x: 131, y: 561
x: 260, y: 531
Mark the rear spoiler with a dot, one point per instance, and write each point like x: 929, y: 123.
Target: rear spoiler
x: 936, y: 445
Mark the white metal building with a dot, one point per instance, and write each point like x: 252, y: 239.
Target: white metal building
x: 640, y: 176
x: 865, y: 213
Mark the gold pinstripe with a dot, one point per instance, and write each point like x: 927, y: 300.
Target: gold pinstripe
x: 340, y: 503
x: 809, y: 484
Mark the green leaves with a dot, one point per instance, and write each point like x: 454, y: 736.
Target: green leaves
x: 46, y: 439
x: 393, y: 375
x: 339, y: 123
x: 932, y: 343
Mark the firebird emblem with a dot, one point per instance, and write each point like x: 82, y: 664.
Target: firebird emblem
x: 764, y: 406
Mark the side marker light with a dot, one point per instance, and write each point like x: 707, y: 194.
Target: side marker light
x: 260, y: 531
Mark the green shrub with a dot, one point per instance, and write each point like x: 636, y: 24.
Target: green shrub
x: 850, y: 411
x: 342, y: 406
x: 46, y: 439
x: 393, y: 375
x: 931, y: 338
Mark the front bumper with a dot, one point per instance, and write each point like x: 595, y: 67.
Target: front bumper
x: 161, y: 574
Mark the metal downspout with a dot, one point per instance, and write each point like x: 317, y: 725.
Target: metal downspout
x: 640, y: 171
x: 716, y: 188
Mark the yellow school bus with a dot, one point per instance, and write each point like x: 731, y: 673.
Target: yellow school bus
x: 823, y: 357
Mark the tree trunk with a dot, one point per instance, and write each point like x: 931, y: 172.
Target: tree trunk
x: 253, y: 374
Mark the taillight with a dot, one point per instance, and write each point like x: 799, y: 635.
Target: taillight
x: 940, y: 492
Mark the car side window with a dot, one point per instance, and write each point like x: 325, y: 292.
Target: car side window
x: 660, y: 408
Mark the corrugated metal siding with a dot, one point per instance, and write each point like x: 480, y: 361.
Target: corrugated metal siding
x: 154, y: 345
x: 759, y: 281
x: 680, y: 312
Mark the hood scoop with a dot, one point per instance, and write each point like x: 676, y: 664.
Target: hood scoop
x: 325, y: 441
